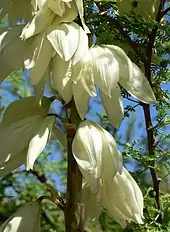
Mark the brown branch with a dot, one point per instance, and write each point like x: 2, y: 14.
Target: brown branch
x: 41, y: 177
x: 146, y: 108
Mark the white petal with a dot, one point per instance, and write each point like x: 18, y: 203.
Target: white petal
x: 113, y: 106
x: 86, y: 153
x: 83, y: 74
x: 137, y: 192
x: 91, y: 202
x: 61, y: 76
x: 106, y: 68
x: 112, y: 159
x: 96, y: 153
x: 40, y: 21
x: 64, y: 38
x: 69, y: 15
x: 84, y: 70
x: 138, y: 86
x: 80, y: 8
x: 116, y: 214
x: 41, y: 63
x: 57, y: 6
x: 83, y: 47
x: 81, y: 98
x: 39, y: 141
x: 121, y: 194
x: 125, y: 64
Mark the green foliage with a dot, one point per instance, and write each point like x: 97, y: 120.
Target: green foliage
x: 21, y: 186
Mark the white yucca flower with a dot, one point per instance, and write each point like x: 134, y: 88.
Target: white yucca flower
x: 121, y: 197
x: 61, y: 44
x: 27, y: 219
x: 48, y: 11
x: 96, y: 153
x: 106, y: 66
x: 91, y: 201
x: 66, y: 39
x: 24, y: 133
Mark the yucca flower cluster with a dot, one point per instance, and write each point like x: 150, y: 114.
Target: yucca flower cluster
x: 56, y: 52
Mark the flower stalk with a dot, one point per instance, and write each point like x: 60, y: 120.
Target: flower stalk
x: 73, y: 217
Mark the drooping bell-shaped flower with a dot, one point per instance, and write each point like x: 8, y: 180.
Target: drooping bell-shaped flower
x: 108, y: 66
x: 91, y: 202
x: 66, y: 38
x: 24, y: 134
x: 96, y: 154
x: 123, y: 198
x: 132, y: 78
x: 42, y: 19
x: 27, y: 219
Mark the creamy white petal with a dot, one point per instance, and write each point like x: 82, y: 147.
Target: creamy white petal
x: 64, y: 38
x: 113, y: 106
x: 105, y: 68
x: 125, y: 64
x: 116, y: 214
x: 69, y: 15
x: 91, y: 202
x: 40, y: 21
x: 137, y: 192
x: 39, y: 141
x: 57, y: 6
x: 138, y: 86
x: 82, y: 48
x: 122, y: 194
x: 35, y: 45
x: 112, y: 161
x: 81, y: 98
x: 96, y: 153
x: 87, y: 150
x: 80, y: 8
x: 84, y: 70
x: 41, y: 63
x: 61, y: 76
